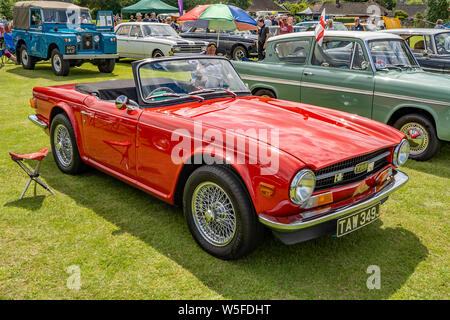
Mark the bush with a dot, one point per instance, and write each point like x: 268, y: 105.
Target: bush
x: 419, y: 20
x: 402, y: 15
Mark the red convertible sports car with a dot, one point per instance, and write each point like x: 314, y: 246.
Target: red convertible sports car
x: 188, y: 131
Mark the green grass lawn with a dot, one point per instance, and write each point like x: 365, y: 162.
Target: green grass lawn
x: 129, y: 245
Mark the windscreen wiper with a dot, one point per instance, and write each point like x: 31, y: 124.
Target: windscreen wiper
x: 173, y: 95
x: 212, y: 90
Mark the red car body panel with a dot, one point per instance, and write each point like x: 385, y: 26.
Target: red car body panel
x: 136, y: 146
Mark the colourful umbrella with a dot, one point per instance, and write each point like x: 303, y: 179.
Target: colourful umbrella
x: 221, y: 17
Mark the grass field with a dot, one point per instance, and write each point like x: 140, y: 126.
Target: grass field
x: 129, y: 245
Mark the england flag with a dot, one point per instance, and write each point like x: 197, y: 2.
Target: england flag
x: 320, y: 29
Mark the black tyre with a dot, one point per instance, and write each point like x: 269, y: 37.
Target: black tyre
x: 157, y: 54
x: 265, y: 93
x: 27, y: 61
x: 64, y: 146
x: 220, y: 214
x: 421, y: 135
x: 239, y: 53
x: 107, y: 66
x: 60, y: 66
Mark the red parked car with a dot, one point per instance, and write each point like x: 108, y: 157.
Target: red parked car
x: 188, y: 131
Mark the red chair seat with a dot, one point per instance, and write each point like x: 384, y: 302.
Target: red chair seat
x: 38, y: 156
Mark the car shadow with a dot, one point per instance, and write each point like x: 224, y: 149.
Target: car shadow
x: 336, y: 268
x: 434, y: 166
x: 46, y: 72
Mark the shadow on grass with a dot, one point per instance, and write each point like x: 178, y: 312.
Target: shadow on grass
x: 325, y: 268
x: 45, y: 71
x: 438, y: 166
x: 30, y: 203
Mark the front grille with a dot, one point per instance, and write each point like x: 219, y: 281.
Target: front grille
x: 87, y: 41
x: 326, y: 177
x: 191, y: 49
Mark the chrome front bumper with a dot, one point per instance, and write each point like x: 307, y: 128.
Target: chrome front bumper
x: 400, y: 179
x: 89, y: 56
x: 41, y: 124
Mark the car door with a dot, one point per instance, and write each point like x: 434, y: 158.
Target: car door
x: 339, y: 77
x: 35, y: 40
x: 123, y: 34
x: 110, y: 135
x: 136, y: 43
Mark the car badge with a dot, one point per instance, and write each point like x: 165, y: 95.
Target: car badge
x: 362, y: 167
x: 338, y: 177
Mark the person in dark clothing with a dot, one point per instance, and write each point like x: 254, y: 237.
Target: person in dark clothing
x: 263, y: 35
x: 357, y: 26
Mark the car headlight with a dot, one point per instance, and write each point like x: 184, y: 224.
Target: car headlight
x: 96, y: 38
x: 78, y: 39
x: 302, y: 186
x: 401, y: 153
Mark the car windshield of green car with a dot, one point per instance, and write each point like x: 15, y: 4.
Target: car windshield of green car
x: 179, y: 78
x: 72, y: 17
x: 443, y: 43
x: 391, y: 55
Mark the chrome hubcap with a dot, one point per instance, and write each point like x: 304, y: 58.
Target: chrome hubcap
x: 417, y: 136
x: 239, y: 54
x: 63, y: 145
x: 214, y: 214
x: 57, y: 63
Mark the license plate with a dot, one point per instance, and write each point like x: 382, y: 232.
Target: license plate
x: 357, y: 220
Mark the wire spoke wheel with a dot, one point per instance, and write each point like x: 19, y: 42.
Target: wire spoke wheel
x: 418, y: 137
x: 214, y: 214
x: 63, y: 145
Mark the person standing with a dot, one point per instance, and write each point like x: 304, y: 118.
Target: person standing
x: 138, y: 17
x: 153, y: 18
x: 132, y: 19
x: 285, y: 26
x: 263, y: 35
x: 439, y: 24
x: 146, y: 18
x: 357, y: 26
x: 274, y: 22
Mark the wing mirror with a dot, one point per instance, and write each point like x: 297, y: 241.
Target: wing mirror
x: 425, y: 53
x: 122, y: 102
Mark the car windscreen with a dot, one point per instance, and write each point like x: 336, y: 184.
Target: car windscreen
x: 443, y: 43
x: 69, y: 16
x: 159, y: 31
x: 391, y: 54
x: 178, y: 78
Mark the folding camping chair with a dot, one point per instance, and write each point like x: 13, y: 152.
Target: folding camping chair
x: 33, y: 174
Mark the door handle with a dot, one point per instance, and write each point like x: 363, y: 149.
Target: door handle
x: 308, y: 73
x: 89, y: 114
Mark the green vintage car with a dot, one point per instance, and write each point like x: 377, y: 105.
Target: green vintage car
x: 374, y: 75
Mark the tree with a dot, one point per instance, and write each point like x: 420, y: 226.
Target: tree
x: 388, y: 4
x: 419, y: 20
x: 402, y: 15
x: 6, y: 9
x: 293, y: 8
x: 437, y: 9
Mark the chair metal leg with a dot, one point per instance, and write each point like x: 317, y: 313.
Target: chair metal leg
x: 26, y: 188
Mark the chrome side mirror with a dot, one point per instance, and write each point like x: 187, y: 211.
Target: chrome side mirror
x: 364, y: 65
x: 122, y: 102
x: 425, y: 53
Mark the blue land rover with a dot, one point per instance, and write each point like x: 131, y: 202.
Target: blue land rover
x: 65, y: 34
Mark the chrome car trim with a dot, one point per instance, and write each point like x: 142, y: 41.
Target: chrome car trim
x: 90, y: 56
x: 400, y: 97
x: 400, y: 179
x: 352, y: 168
x: 41, y: 124
x: 268, y: 79
x: 435, y: 70
x: 305, y: 84
x: 335, y: 88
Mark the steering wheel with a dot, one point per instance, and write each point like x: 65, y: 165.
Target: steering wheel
x: 160, y: 89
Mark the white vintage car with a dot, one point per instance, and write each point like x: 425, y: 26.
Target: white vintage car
x: 140, y: 40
